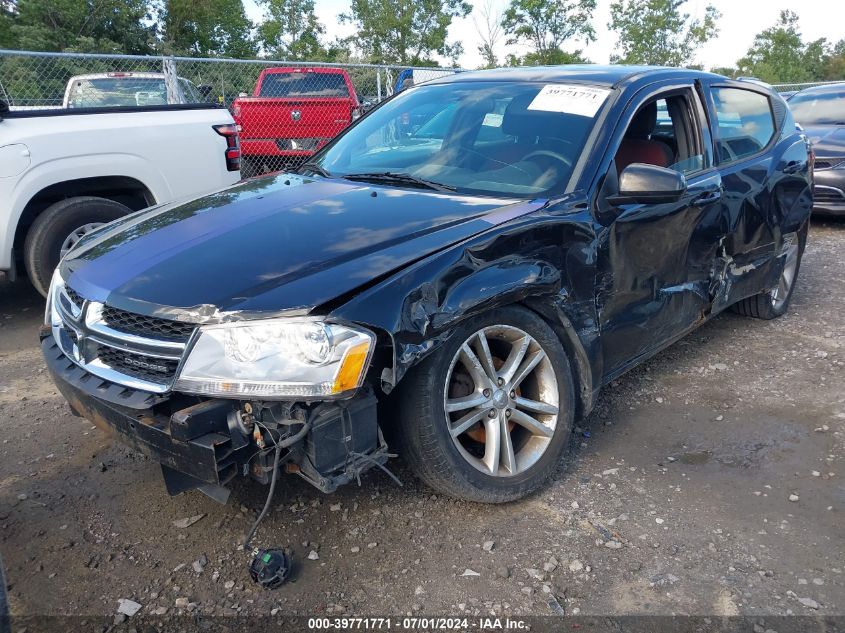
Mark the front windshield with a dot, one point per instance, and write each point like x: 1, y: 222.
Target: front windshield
x: 487, y: 138
x: 819, y: 108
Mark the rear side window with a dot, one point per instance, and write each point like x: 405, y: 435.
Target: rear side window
x: 745, y: 120
x: 304, y: 85
x: 114, y: 91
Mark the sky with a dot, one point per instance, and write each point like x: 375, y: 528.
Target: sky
x: 741, y: 21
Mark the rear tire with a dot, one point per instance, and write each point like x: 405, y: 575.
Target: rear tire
x: 54, y: 228
x: 466, y: 464
x: 774, y: 302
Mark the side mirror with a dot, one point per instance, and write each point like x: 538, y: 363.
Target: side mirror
x: 649, y: 184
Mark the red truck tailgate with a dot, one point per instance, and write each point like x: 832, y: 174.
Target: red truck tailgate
x: 269, y: 118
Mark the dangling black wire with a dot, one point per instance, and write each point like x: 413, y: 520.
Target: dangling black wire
x: 269, y: 496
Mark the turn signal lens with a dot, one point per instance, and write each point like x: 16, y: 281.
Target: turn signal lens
x: 352, y: 368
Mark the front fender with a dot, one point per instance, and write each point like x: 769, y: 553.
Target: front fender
x: 495, y: 285
x: 18, y: 192
x: 531, y: 262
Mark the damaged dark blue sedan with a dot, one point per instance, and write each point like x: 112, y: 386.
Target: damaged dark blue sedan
x: 455, y: 277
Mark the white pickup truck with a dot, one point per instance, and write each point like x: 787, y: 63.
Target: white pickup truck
x: 65, y: 172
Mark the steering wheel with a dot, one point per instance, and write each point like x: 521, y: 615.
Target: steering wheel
x: 549, y: 154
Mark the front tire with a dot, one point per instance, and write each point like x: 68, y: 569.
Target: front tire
x: 58, y: 228
x: 488, y: 416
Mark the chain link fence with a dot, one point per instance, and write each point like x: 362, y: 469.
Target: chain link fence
x: 285, y: 111
x: 791, y: 89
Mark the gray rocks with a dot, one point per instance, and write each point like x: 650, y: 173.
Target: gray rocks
x: 188, y: 521
x: 503, y: 571
x: 128, y: 607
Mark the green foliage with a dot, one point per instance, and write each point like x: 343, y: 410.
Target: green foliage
x: 835, y: 65
x: 727, y: 71
x: 554, y: 57
x: 658, y: 32
x: 546, y: 24
x: 291, y: 30
x: 777, y: 54
x: 407, y: 32
x: 206, y: 28
x: 105, y: 26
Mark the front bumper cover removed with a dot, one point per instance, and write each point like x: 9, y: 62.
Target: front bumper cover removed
x: 193, y: 439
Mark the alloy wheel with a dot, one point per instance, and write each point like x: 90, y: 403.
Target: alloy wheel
x: 501, y: 400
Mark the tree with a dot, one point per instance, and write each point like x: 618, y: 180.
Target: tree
x: 207, y: 28
x: 7, y: 19
x: 658, y: 32
x: 489, y: 29
x: 291, y: 30
x: 546, y: 24
x: 778, y: 54
x: 554, y: 57
x: 835, y: 64
x: 105, y: 26
x: 815, y: 58
x: 727, y: 71
x: 407, y: 32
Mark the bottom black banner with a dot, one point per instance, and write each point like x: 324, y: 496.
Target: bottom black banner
x: 427, y: 624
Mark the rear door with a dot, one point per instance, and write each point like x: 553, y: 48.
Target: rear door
x: 655, y: 261
x: 745, y: 129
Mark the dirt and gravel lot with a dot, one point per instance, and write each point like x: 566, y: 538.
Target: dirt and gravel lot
x: 708, y: 481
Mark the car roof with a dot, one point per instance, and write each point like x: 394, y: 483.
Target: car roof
x: 278, y: 70
x: 837, y: 87
x: 593, y: 74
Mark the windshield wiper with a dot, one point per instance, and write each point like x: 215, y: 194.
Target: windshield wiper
x: 314, y: 167
x: 399, y: 178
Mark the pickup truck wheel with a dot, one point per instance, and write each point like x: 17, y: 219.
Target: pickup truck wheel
x: 775, y: 302
x: 57, y: 229
x: 488, y: 416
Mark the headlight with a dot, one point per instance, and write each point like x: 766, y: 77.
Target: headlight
x: 277, y: 359
x: 56, y: 283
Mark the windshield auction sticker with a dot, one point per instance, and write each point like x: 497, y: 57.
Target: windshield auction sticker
x: 570, y: 99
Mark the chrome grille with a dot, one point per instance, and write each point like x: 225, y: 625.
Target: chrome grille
x: 826, y: 163
x: 823, y: 193
x: 127, y: 349
x: 74, y: 296
x: 142, y: 325
x: 148, y: 368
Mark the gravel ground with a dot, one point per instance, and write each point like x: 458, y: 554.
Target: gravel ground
x: 709, y: 481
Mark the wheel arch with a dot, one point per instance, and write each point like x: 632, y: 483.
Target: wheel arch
x: 123, y: 189
x: 396, y: 354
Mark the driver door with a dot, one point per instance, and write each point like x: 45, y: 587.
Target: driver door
x: 655, y: 261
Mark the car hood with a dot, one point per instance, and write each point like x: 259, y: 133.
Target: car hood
x: 277, y: 244
x: 827, y: 140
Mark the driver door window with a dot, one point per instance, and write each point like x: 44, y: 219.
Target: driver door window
x: 663, y: 133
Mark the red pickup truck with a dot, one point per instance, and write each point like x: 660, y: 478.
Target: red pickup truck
x: 291, y: 114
